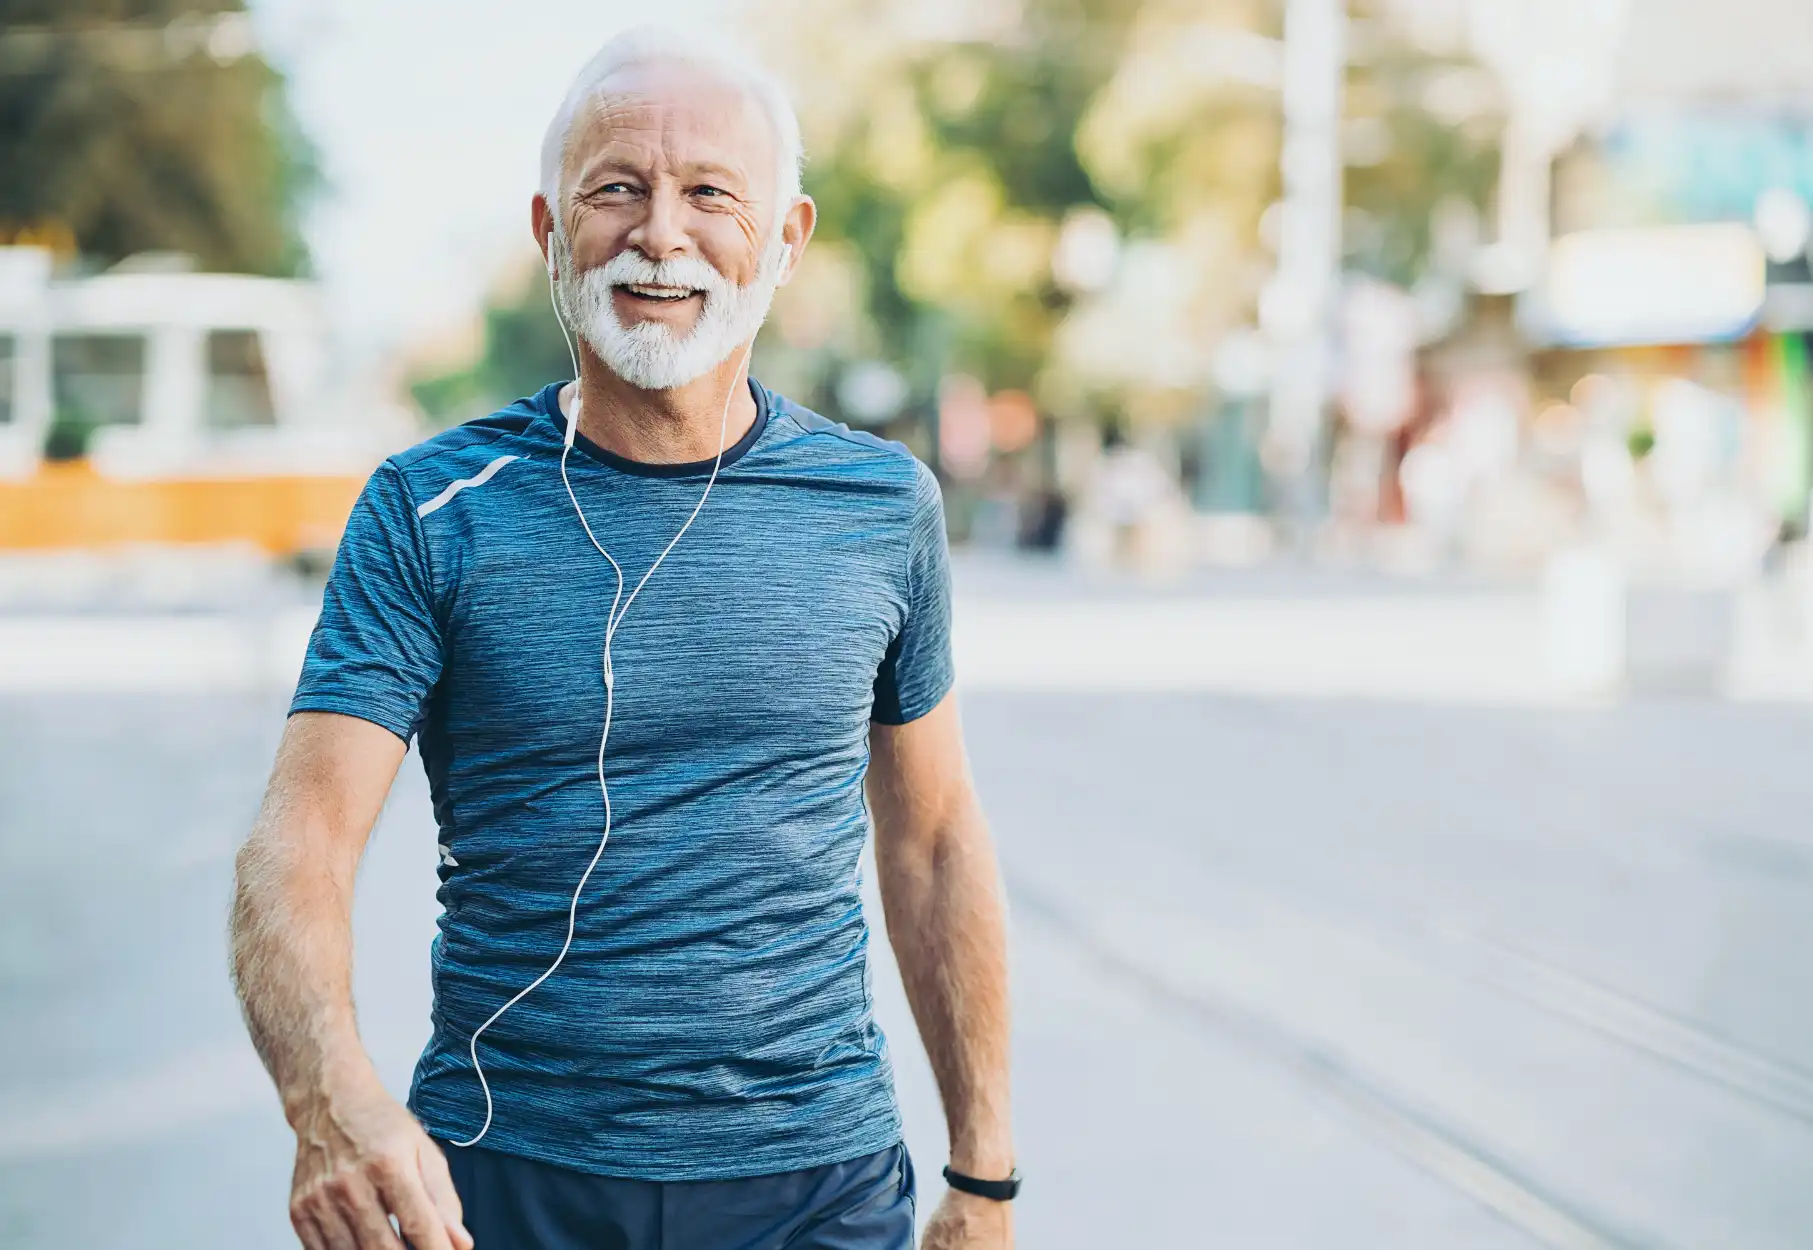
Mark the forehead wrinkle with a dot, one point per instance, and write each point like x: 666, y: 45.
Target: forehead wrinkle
x: 677, y: 121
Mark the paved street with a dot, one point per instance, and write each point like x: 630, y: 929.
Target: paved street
x: 1289, y: 973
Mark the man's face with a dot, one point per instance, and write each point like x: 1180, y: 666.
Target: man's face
x: 672, y: 167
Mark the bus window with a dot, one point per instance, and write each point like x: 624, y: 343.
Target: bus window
x: 98, y: 379
x: 239, y: 390
x: 7, y: 374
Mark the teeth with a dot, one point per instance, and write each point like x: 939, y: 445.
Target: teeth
x: 658, y: 292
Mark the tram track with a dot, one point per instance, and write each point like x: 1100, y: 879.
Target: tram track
x: 1553, y: 1219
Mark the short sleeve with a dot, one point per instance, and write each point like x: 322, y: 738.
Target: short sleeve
x: 916, y: 673
x: 376, y: 651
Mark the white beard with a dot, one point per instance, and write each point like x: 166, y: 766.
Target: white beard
x: 649, y: 355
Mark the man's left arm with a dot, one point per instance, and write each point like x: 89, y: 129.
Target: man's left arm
x: 946, y: 918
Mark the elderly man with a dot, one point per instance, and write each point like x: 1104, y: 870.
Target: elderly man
x: 653, y: 629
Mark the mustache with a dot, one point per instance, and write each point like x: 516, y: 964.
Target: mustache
x: 689, y: 272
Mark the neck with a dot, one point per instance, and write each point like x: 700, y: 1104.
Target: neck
x: 677, y: 426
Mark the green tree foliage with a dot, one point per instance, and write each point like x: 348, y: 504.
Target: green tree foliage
x: 953, y: 165
x: 948, y: 170
x: 139, y: 125
x: 1423, y: 130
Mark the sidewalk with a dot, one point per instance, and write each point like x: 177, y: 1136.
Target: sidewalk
x: 1483, y: 649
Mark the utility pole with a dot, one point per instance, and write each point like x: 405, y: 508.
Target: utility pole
x: 1298, y: 307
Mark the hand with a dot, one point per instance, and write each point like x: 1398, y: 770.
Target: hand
x: 966, y: 1222
x: 361, y: 1158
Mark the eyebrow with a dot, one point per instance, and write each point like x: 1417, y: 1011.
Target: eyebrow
x: 595, y: 171
x: 709, y: 169
x: 715, y: 170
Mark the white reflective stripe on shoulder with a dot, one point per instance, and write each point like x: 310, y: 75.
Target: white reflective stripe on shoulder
x: 455, y: 487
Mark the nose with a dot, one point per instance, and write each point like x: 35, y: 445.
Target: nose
x: 659, y: 234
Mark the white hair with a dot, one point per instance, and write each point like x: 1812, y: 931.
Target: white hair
x: 649, y: 44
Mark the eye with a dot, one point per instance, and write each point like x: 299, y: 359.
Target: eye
x: 708, y: 189
x: 607, y: 190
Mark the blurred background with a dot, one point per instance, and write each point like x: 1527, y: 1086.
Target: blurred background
x: 1377, y: 441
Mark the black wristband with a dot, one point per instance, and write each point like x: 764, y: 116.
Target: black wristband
x: 999, y: 1191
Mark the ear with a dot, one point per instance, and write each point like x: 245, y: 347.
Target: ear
x: 796, y: 232
x: 541, y: 223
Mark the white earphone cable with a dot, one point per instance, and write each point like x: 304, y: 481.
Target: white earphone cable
x: 613, y: 619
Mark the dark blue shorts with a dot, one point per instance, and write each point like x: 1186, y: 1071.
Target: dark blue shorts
x: 519, y: 1204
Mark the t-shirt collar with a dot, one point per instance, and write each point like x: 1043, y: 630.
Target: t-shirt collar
x: 548, y: 402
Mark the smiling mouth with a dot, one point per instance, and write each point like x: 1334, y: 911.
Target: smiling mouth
x: 658, y: 294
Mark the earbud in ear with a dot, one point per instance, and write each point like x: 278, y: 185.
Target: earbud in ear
x: 786, y: 254
x: 553, y: 264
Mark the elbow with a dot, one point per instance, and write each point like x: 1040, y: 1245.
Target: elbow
x: 247, y: 864
x: 243, y: 907
x: 959, y: 837
x: 257, y: 878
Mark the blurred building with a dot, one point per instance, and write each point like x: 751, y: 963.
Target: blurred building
x: 1673, y: 308
x: 1632, y: 368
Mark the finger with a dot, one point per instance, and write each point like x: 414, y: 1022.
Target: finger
x: 308, y: 1230
x: 439, y: 1179
x: 332, y: 1228
x: 363, y: 1210
x: 407, y: 1197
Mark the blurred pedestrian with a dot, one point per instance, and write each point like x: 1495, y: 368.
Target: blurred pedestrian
x: 654, y: 629
x: 1135, y: 515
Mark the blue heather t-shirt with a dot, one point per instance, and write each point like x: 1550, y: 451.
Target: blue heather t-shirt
x: 713, y: 1017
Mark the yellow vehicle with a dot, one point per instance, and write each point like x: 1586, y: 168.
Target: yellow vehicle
x: 150, y: 404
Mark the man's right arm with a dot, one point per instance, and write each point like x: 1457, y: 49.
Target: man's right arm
x: 360, y: 1156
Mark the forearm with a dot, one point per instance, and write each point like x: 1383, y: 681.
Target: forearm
x: 947, y: 924
x: 292, y: 957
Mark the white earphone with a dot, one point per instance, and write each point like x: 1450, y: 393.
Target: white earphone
x: 613, y: 619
